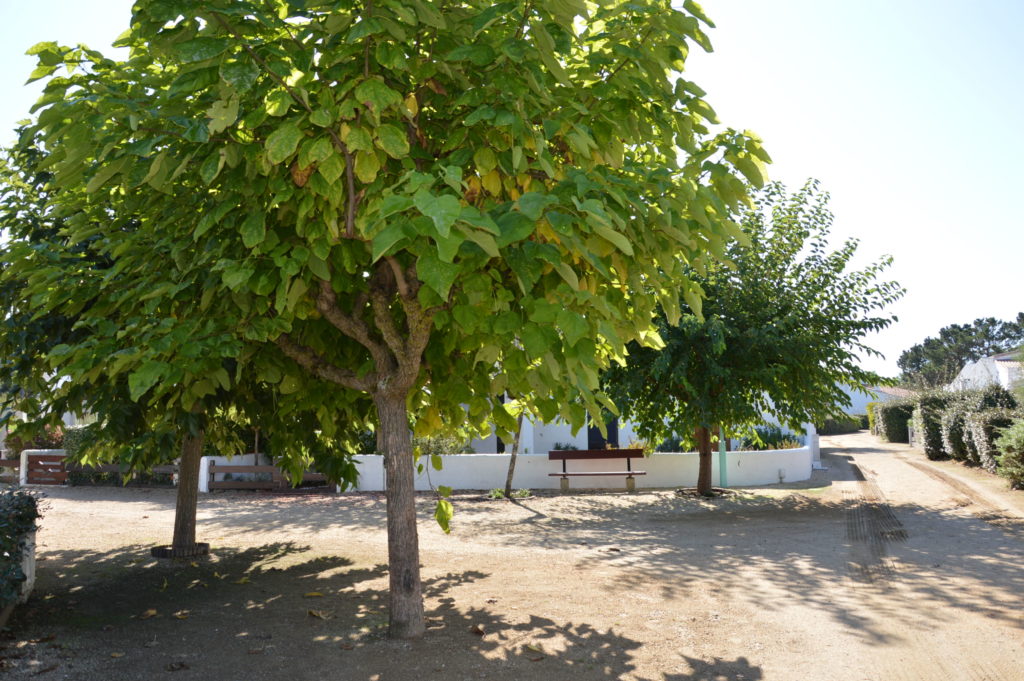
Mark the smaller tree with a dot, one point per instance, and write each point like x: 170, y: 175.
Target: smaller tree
x: 779, y: 334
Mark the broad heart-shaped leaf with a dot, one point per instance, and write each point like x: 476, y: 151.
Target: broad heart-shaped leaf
x: 241, y: 74
x: 436, y: 274
x: 254, y: 229
x: 222, y: 115
x: 144, y: 378
x: 377, y: 94
x: 444, y: 210
x: 367, y: 166
x: 393, y: 141
x: 387, y: 238
x: 532, y: 204
x: 282, y: 142
x: 200, y: 49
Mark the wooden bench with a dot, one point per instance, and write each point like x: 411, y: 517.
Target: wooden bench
x: 564, y: 455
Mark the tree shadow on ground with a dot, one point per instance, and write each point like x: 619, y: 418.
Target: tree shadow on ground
x: 240, y: 615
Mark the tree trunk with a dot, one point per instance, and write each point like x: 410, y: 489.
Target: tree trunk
x: 188, y: 492
x: 405, y: 596
x: 512, y: 459
x: 703, y: 436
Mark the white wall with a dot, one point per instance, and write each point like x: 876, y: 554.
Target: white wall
x: 487, y: 471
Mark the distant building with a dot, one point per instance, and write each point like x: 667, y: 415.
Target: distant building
x: 1004, y: 369
x: 861, y: 395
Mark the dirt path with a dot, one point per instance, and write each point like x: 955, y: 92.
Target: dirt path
x: 886, y: 566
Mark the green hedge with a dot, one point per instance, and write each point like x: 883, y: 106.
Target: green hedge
x: 18, y: 513
x: 839, y: 424
x: 52, y: 437
x: 951, y: 428
x: 892, y: 420
x: 981, y: 428
x: 1011, y: 460
x: 927, y: 417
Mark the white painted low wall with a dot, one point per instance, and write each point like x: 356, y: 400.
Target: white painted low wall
x: 487, y: 471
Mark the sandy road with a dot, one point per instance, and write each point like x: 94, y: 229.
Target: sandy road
x: 886, y: 566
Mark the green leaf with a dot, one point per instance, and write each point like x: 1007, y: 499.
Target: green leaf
x: 444, y: 210
x: 240, y: 75
x: 367, y: 166
x: 471, y: 215
x: 321, y: 117
x: 514, y: 227
x: 222, y: 115
x: 620, y: 242
x: 532, y: 204
x: 200, y: 49
x: 387, y: 238
x: 394, y: 203
x: 358, y: 139
x: 393, y: 141
x: 443, y: 515
x: 144, y: 378
x: 236, y: 276
x: 278, y: 102
x: 438, y: 275
x: 282, y: 142
x: 444, y: 490
x: 318, y: 266
x: 212, y: 166
x: 485, y: 160
x: 253, y: 229
x: 483, y: 240
x: 752, y: 169
x: 106, y: 171
x: 573, y: 325
x: 375, y: 93
x: 332, y: 167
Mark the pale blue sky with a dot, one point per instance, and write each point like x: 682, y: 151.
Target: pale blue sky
x: 908, y: 111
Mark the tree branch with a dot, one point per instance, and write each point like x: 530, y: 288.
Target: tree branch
x: 400, y: 282
x: 313, y: 362
x: 352, y: 326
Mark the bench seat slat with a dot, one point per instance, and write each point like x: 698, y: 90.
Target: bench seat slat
x: 577, y: 475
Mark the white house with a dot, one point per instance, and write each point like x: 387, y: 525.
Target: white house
x: 1004, y: 369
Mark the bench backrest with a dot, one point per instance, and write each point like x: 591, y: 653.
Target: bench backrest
x: 570, y: 454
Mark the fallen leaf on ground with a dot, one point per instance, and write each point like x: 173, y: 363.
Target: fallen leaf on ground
x: 347, y: 646
x: 536, y: 649
x: 164, y: 586
x: 45, y: 669
x: 181, y: 615
x: 477, y: 629
x: 44, y: 639
x: 176, y: 666
x: 313, y: 594
x: 242, y: 580
x: 149, y: 613
x: 322, y: 614
x: 492, y: 600
x: 256, y: 651
x: 117, y: 654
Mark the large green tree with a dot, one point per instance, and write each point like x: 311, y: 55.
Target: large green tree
x: 428, y: 206
x: 936, y: 361
x: 780, y: 333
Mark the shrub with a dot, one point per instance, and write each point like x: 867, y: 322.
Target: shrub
x: 951, y: 427
x: 927, y: 417
x: 1011, y: 460
x: 872, y: 420
x: 891, y: 420
x: 672, y: 444
x: 840, y: 424
x: 864, y: 421
x: 51, y: 437
x: 564, y: 447
x: 981, y: 427
x: 771, y: 437
x: 18, y: 513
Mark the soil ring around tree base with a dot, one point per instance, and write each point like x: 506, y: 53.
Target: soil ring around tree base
x: 198, y: 549
x: 715, y: 492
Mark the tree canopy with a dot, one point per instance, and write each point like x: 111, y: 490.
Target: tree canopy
x: 428, y: 211
x: 778, y: 335
x: 936, y: 361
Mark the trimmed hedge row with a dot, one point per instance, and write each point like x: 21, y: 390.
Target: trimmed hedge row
x: 981, y: 430
x: 839, y: 424
x: 927, y: 418
x: 891, y: 420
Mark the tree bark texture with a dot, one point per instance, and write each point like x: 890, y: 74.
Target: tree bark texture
x: 188, y: 492
x: 703, y: 436
x: 405, y: 594
x: 512, y: 458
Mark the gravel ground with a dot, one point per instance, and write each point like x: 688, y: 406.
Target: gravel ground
x: 886, y: 566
